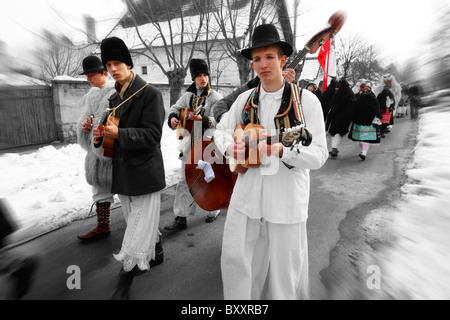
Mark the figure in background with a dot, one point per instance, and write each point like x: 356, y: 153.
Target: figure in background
x: 315, y: 89
x: 339, y: 106
x: 403, y: 104
x: 366, y: 120
x: 386, y: 101
x: 415, y: 94
x: 97, y: 167
x: 391, y: 83
x: 200, y: 97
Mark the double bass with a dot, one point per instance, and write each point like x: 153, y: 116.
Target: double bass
x: 216, y: 194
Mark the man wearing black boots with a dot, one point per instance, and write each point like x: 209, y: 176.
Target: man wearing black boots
x: 138, y: 168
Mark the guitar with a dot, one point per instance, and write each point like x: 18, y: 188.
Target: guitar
x: 108, y: 142
x: 336, y: 22
x: 184, y: 123
x: 251, y: 135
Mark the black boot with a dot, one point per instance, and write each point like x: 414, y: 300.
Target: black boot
x: 334, y: 152
x: 122, y: 291
x: 159, y: 255
x: 179, y: 223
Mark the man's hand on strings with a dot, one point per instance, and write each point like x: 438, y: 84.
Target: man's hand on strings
x: 193, y: 117
x: 86, y: 126
x: 111, y: 130
x: 275, y: 149
x: 237, y: 150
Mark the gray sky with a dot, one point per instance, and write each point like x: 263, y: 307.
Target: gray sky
x: 397, y: 27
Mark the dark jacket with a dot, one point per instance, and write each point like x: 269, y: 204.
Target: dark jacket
x: 138, y: 166
x: 222, y: 106
x: 382, y: 100
x: 339, y: 107
x: 367, y: 108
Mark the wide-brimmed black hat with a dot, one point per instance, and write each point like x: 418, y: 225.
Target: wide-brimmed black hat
x: 266, y: 35
x: 92, y: 64
x: 115, y: 49
x: 197, y: 66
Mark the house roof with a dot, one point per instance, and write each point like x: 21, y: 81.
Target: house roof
x: 152, y: 11
x: 157, y: 25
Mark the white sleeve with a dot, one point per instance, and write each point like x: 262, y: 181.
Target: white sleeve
x: 315, y: 155
x: 223, y: 136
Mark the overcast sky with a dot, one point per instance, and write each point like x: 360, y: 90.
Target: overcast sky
x: 397, y: 27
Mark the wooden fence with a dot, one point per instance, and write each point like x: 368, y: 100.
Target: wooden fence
x: 27, y: 116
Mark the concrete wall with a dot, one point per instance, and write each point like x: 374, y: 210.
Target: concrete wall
x: 67, y: 95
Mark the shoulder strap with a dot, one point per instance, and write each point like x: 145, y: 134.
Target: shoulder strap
x: 298, y: 103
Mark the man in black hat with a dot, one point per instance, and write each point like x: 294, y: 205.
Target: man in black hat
x: 138, y: 168
x: 199, y: 96
x: 98, y: 168
x: 265, y: 228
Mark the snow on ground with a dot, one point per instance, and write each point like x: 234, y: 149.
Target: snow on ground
x: 47, y: 188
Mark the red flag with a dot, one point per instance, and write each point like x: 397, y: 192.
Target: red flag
x: 327, y: 60
x: 323, y: 53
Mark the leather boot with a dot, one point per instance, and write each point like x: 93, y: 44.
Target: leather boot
x: 103, y: 221
x: 159, y: 255
x: 179, y: 223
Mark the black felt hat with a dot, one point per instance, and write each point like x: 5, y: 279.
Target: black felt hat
x: 197, y: 66
x: 115, y: 49
x: 92, y: 64
x: 266, y: 35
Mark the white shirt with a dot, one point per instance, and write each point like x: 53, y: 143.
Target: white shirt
x: 273, y: 192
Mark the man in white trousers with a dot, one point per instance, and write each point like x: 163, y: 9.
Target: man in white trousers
x: 265, y: 229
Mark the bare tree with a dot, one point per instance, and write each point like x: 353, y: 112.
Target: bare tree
x: 59, y: 56
x: 236, y: 25
x: 177, y: 33
x: 357, y: 60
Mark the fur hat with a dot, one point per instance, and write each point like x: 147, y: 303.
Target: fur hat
x: 92, y: 64
x: 115, y: 49
x: 197, y: 66
x: 265, y: 35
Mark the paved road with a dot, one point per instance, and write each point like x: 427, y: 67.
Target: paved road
x: 344, y: 193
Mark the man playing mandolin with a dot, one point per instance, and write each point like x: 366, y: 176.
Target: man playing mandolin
x: 199, y: 97
x: 266, y: 218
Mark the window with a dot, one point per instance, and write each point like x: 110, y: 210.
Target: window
x: 144, y: 69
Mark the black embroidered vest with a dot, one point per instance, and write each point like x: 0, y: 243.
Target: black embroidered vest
x: 286, y: 116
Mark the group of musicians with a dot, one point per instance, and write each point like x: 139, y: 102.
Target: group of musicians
x: 265, y: 228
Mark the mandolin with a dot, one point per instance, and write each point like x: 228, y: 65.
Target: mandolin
x: 185, y: 124
x: 108, y: 142
x: 251, y: 135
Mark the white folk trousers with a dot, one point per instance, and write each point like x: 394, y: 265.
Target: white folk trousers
x: 142, y: 215
x: 253, y: 249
